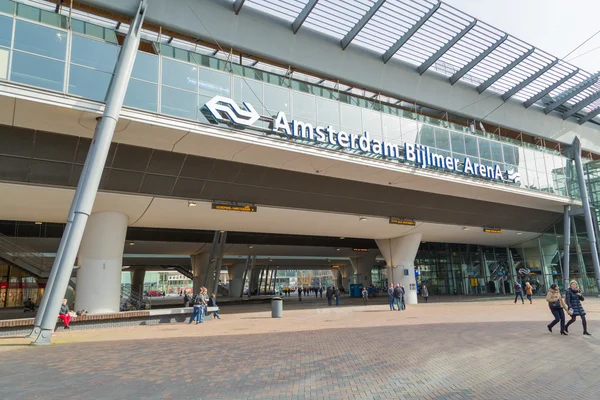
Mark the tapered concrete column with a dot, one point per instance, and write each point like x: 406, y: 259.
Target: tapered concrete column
x: 100, y: 260
x: 236, y: 279
x: 338, y: 279
x: 137, y: 280
x: 199, y: 266
x: 399, y: 254
x: 363, y: 266
x: 347, y: 272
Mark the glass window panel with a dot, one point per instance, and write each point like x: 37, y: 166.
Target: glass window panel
x: 7, y: 6
x: 485, y: 151
x: 28, y: 12
x: 53, y: 19
x: 442, y: 139
x: 427, y: 135
x: 351, y: 118
x: 142, y: 95
x: 178, y: 103
x: 304, y: 107
x: 4, y: 55
x: 410, y: 128
x: 41, y: 40
x: 458, y: 142
x: 509, y: 154
x: 5, y: 30
x: 88, y: 83
x: 77, y: 26
x: 213, y: 83
x: 145, y: 67
x: 249, y: 91
x: 328, y: 112
x: 371, y: 122
x: 94, y: 30
x: 37, y: 71
x: 497, y: 151
x: 110, y: 35
x: 179, y: 75
x: 276, y: 99
x: 180, y: 54
x: 391, y: 129
x: 94, y: 53
x: 471, y: 146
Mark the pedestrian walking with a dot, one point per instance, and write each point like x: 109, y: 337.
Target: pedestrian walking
x: 398, y: 296
x: 529, y: 292
x: 212, y: 302
x: 321, y: 291
x: 518, y: 292
x: 338, y: 294
x: 365, y: 295
x: 196, y: 302
x: 390, y: 292
x: 299, y: 294
x: 403, y: 292
x: 573, y: 298
x: 329, y: 295
x: 557, y: 308
x: 425, y: 293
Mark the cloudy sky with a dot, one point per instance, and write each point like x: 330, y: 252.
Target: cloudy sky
x: 556, y: 26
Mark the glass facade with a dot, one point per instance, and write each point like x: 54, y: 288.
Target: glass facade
x: 37, y: 50
x: 17, y: 285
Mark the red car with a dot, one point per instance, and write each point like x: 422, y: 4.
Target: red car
x: 154, y: 293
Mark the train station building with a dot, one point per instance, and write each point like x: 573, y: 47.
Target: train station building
x: 386, y: 141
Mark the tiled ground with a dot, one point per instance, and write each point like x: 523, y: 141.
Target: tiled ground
x: 482, y: 350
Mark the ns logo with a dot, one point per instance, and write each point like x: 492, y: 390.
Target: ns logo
x: 223, y: 109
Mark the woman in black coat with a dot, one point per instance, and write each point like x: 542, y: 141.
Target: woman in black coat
x: 573, y: 299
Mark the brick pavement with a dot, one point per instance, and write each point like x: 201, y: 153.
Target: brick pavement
x: 485, y: 350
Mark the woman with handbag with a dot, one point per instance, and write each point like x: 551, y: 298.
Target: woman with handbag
x: 557, y: 307
x: 574, y: 298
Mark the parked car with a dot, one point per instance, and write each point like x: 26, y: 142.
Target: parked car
x: 154, y: 293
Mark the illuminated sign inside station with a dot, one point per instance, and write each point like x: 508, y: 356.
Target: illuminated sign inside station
x: 233, y: 207
x: 402, y: 221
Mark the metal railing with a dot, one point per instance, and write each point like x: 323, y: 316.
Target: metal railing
x: 133, y: 301
x: 28, y: 259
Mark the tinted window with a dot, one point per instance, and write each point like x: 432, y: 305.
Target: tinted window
x: 88, y: 83
x: 41, y: 40
x: 5, y: 30
x: 145, y: 67
x: 179, y: 75
x: 37, y: 71
x: 142, y: 95
x: 94, y: 53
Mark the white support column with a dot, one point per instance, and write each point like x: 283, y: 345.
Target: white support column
x: 100, y: 260
x: 236, y: 278
x: 200, y: 263
x: 399, y: 254
x: 363, y: 266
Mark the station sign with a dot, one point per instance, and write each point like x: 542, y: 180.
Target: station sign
x: 492, y: 230
x: 222, y: 109
x: 358, y: 250
x: 233, y: 207
x: 402, y: 221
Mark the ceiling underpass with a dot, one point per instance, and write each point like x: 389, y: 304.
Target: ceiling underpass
x: 49, y: 159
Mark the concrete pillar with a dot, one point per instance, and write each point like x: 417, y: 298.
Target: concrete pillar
x: 200, y: 263
x: 236, y: 279
x: 399, y: 254
x: 100, y: 260
x: 362, y: 266
x: 254, y: 276
x: 347, y: 272
x: 137, y: 280
x: 338, y: 279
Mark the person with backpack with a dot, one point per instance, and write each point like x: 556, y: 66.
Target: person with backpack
x: 518, y: 292
x: 398, y: 296
x: 390, y: 292
x: 365, y: 295
x: 196, y: 303
x: 557, y: 307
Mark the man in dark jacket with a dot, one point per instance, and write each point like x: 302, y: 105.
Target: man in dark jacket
x: 329, y: 295
x: 398, y: 296
x: 403, y: 291
x: 390, y: 292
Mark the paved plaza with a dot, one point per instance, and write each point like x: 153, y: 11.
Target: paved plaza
x: 442, y: 350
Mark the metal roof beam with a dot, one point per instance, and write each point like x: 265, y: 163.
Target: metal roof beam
x: 511, y: 92
x: 491, y: 80
x: 425, y: 66
x: 237, y: 6
x: 535, y: 98
x: 400, y: 42
x: 581, y: 105
x: 454, y: 78
x: 592, y: 114
x: 360, y: 24
x: 570, y: 93
x: 303, y: 15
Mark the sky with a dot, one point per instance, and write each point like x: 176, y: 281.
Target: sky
x: 556, y: 26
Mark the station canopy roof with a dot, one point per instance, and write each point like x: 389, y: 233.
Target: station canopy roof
x: 434, y: 36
